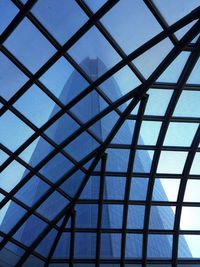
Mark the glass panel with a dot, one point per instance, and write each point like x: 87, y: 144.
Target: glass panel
x: 166, y: 189
x: 36, y: 151
x: 110, y: 246
x: 10, y: 254
x: 117, y: 160
x: 112, y: 216
x: 86, y: 215
x: 56, y: 167
x: 195, y: 169
x: 62, y: 19
x: 3, y: 157
x: 11, y: 176
x: 94, y: 54
x: 32, y: 191
x: 193, y: 242
x: 9, y: 219
x: 131, y: 13
x: 194, y: 76
x: 33, y: 54
x: 7, y: 12
x: 149, y: 60
x: 125, y: 133
x: 133, y: 246
x: 180, y: 134
x: 30, y: 230
x: 188, y: 104
x: 138, y: 188
x: 143, y: 160
x: 95, y: 5
x: 53, y: 205
x: 175, y: 10
x: 162, y: 217
x: 114, y: 187
x: 36, y: 106
x: 46, y: 244
x: 63, y: 80
x: 192, y: 191
x: 159, y: 246
x: 11, y: 78
x: 158, y: 101
x: 149, y: 132
x: 120, y: 83
x: 9, y: 124
x: 91, y: 190
x: 171, y: 162
x: 172, y: 73
x: 190, y: 218
x: 63, y: 247
x: 85, y: 245
x: 135, y: 217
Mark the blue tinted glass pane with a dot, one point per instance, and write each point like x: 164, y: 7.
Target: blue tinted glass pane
x: 35, y: 106
x: 63, y: 247
x: 9, y: 219
x: 149, y: 132
x: 72, y: 183
x: 180, y: 134
x: 135, y: 217
x: 188, y: 104
x: 63, y: 80
x: 117, y: 160
x: 89, y: 106
x: 3, y: 156
x: 131, y: 13
x: 46, y: 244
x: 11, y: 78
x: 125, y: 133
x: 138, y: 188
x: 11, y: 176
x: 158, y: 101
x: 112, y: 216
x: 74, y: 147
x: 143, y: 160
x: 10, y: 254
x: 86, y: 215
x: 56, y: 167
x: 195, y: 169
x: 7, y: 12
x: 120, y: 83
x: 30, y: 230
x: 62, y: 128
x: 171, y: 162
x: 13, y: 131
x: 95, y: 5
x: 91, y: 190
x: 133, y: 246
x: 32, y: 54
x: 193, y: 244
x: 33, y: 261
x: 161, y: 217
x: 36, y: 151
x: 53, y: 205
x: 85, y: 245
x: 114, y: 187
x: 192, y: 191
x: 93, y: 50
x: 175, y: 10
x: 159, y: 246
x: 110, y: 246
x: 194, y: 76
x: 61, y: 18
x: 149, y: 60
x: 172, y: 73
x: 166, y: 189
x: 32, y: 191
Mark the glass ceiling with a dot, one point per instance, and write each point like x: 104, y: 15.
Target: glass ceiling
x: 100, y: 133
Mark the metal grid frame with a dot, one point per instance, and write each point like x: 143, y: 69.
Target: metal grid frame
x: 137, y: 95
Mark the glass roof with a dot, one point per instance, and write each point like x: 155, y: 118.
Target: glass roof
x: 100, y: 133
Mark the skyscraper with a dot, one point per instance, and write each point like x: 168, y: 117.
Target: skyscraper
x: 86, y: 212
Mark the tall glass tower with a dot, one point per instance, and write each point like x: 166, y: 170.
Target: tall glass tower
x: 86, y: 214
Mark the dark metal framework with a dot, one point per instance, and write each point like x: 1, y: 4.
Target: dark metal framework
x: 137, y: 95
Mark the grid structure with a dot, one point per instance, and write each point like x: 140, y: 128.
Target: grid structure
x: 161, y: 105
